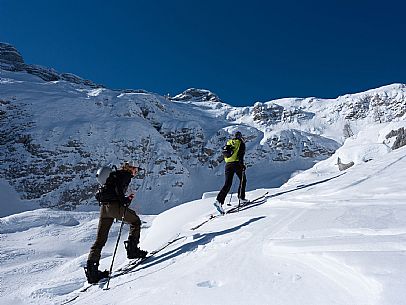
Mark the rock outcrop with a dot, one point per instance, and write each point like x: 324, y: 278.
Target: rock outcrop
x: 11, y: 60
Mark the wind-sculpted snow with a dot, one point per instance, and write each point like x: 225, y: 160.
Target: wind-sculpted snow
x: 27, y: 220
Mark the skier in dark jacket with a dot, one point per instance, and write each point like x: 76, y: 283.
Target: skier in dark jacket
x: 234, y: 165
x: 114, y: 204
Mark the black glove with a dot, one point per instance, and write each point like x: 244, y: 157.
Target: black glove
x: 128, y: 200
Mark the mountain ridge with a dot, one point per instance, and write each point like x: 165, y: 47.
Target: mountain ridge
x: 57, y: 132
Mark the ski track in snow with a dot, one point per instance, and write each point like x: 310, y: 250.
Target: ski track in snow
x: 315, y: 245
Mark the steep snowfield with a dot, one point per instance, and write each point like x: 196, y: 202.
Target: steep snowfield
x: 325, y: 237
x: 55, y: 134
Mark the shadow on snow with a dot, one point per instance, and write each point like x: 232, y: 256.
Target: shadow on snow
x: 299, y: 187
x: 198, y: 240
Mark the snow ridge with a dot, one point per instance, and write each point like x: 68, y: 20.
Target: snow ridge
x: 56, y: 132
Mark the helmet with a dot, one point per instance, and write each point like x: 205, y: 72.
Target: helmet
x: 102, y: 174
x: 238, y: 135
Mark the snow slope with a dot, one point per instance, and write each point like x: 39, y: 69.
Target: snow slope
x: 56, y: 134
x: 10, y: 202
x: 325, y: 237
x: 57, y: 130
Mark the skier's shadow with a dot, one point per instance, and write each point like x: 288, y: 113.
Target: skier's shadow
x: 299, y: 187
x: 198, y: 240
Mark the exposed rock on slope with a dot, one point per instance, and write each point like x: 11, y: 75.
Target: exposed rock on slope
x: 57, y: 129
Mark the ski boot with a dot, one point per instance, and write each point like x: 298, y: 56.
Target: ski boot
x: 93, y: 274
x: 244, y: 201
x: 132, y: 249
x: 219, y: 207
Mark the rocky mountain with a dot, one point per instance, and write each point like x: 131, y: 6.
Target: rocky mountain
x: 11, y: 60
x: 57, y: 129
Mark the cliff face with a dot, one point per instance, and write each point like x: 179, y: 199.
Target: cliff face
x: 11, y: 60
x: 9, y: 54
x: 57, y: 129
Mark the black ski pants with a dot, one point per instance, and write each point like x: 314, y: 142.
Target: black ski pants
x: 231, y: 169
x: 109, y: 212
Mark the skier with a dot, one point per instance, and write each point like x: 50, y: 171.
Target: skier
x: 114, y: 205
x: 234, y: 164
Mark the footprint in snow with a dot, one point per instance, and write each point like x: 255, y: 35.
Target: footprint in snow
x: 209, y: 284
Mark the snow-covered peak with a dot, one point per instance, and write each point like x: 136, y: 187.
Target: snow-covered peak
x: 203, y: 99
x: 58, y: 129
x: 197, y: 95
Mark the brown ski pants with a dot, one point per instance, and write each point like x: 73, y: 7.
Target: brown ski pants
x: 109, y: 212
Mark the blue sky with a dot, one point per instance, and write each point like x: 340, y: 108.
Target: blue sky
x: 244, y: 51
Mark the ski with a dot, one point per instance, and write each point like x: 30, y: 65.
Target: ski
x: 136, y: 262
x: 256, y: 200
x: 250, y: 202
x: 127, y: 268
x: 211, y: 217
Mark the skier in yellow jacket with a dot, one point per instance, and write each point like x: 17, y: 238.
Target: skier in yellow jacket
x: 234, y: 165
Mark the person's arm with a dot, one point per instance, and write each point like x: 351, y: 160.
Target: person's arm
x: 241, y: 153
x: 121, y: 187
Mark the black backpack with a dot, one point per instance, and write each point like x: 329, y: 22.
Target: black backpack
x: 227, y: 151
x: 104, y: 192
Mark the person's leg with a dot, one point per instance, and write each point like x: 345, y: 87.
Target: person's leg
x: 93, y: 274
x: 228, y: 173
x: 135, y: 225
x: 243, y: 183
x: 103, y: 229
x: 131, y: 245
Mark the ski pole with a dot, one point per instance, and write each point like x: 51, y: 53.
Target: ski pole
x: 239, y: 189
x: 115, y: 250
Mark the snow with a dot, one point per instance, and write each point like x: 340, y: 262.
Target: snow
x: 58, y: 133
x: 10, y: 202
x: 324, y: 237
